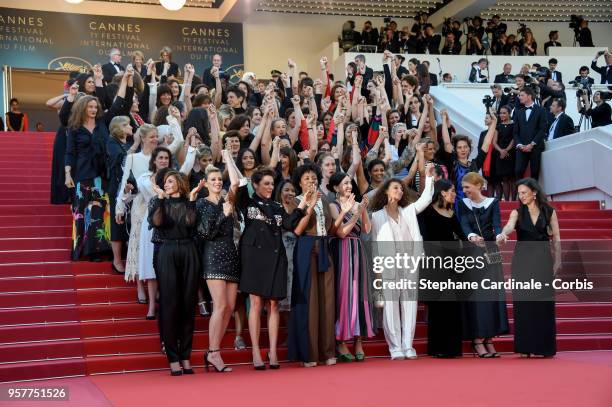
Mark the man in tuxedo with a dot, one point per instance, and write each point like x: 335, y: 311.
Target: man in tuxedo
x: 476, y: 75
x: 554, y: 74
x: 451, y: 45
x: 433, y: 78
x: 505, y: 76
x: 585, y: 38
x: 553, y: 38
x: 604, y: 71
x: 369, y: 34
x: 562, y: 124
x: 530, y: 127
x: 401, y: 69
x: 113, y: 67
x: 207, y: 78
x: 499, y: 99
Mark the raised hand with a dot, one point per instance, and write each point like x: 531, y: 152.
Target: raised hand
x: 430, y: 169
x: 323, y: 63
x: 72, y: 92
x: 338, y: 119
x: 295, y: 100
x: 158, y: 191
x: 318, y: 86
x: 129, y: 71
x: 97, y: 72
x: 365, y: 201
x: 174, y: 112
x: 214, y: 71
x: 193, y: 195
x: 291, y: 63
x: 347, y: 206
x: 228, y: 208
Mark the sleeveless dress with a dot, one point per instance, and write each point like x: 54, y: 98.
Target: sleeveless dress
x: 353, y: 307
x: 534, y: 311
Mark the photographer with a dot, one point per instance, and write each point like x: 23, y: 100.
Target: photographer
x: 554, y: 74
x: 604, y: 71
x: 512, y: 46
x: 584, y: 36
x: 549, y: 90
x: 389, y: 42
x: 601, y: 114
x: 429, y: 43
x: 520, y: 84
x: 408, y: 41
x: 553, y: 38
x: 584, y: 79
x: 474, y: 46
x: 528, y: 44
x: 420, y: 20
x: 369, y: 34
x: 499, y: 45
x: 451, y: 45
x: 496, y: 28
x: 498, y: 100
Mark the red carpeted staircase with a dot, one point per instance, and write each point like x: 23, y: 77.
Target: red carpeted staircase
x: 59, y: 318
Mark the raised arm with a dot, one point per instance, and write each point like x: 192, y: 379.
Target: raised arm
x: 215, y: 138
x: 425, y: 199
x: 214, y: 71
x: 55, y: 102
x: 448, y: 146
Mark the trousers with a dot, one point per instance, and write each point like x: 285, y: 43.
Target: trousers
x: 399, y: 322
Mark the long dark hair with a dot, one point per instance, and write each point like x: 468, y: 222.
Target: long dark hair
x: 198, y: 119
x: 540, y: 197
x: 380, y: 198
x: 441, y: 185
x: 241, y: 154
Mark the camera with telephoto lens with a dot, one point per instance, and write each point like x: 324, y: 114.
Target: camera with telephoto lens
x: 605, y: 95
x: 522, y: 29
x: 582, y: 86
x: 575, y: 22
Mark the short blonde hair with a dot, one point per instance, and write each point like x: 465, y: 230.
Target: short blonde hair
x: 473, y: 178
x: 138, y: 53
x: 114, y: 127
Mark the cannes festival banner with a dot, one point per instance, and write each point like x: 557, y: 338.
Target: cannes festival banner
x: 76, y: 42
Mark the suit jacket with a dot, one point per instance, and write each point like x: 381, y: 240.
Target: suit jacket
x: 431, y: 44
x: 532, y: 130
x: 501, y: 78
x: 109, y: 71
x: 401, y: 71
x: 172, y: 71
x: 433, y: 79
x: 454, y: 50
x: 604, y: 71
x: 476, y: 76
x: 503, y: 101
x: 550, y: 44
x: 559, y: 76
x: 564, y: 126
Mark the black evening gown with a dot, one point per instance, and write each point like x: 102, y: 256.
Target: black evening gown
x: 503, y: 168
x: 485, y: 314
x: 60, y: 195
x: 534, y: 314
x: 444, y: 312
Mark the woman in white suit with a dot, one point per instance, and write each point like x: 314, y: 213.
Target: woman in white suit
x: 395, y: 230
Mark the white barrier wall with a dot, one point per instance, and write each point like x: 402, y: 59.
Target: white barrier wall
x: 578, y: 166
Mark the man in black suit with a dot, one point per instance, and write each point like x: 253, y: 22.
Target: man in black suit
x: 554, y: 74
x: 207, y: 78
x: 365, y: 71
x: 499, y: 99
x: 562, y: 124
x: 530, y: 127
x: 506, y: 76
x: 113, y: 67
x: 584, y: 77
x: 433, y: 78
x: 451, y: 45
x: 476, y: 75
x: 553, y: 37
x: 604, y: 71
x: 401, y: 70
x: 585, y: 39
x: 369, y: 34
x: 429, y: 43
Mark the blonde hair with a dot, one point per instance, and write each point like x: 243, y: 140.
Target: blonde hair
x: 114, y: 127
x: 138, y: 53
x: 210, y: 169
x: 224, y: 112
x: 473, y: 178
x: 146, y: 129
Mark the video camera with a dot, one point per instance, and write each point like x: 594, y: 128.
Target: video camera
x: 488, y: 101
x: 522, y: 29
x: 575, y: 22
x: 582, y: 86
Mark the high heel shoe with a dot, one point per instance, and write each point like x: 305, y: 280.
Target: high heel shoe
x: 480, y: 355
x: 140, y: 300
x: 187, y: 370
x: 359, y: 357
x: 490, y: 342
x: 176, y: 372
x: 274, y: 366
x: 116, y: 270
x: 207, y: 362
x: 203, y: 311
x: 345, y: 358
x: 151, y: 317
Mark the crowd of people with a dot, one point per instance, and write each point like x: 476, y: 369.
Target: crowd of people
x: 263, y: 196
x: 468, y: 37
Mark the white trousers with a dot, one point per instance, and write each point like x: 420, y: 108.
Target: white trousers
x: 399, y: 322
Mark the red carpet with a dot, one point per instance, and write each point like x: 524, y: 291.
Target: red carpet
x: 60, y: 319
x: 570, y: 379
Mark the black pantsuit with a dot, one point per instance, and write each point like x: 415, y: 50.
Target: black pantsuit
x: 177, y: 269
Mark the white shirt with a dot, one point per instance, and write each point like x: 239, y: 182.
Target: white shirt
x: 528, y: 111
x: 116, y: 66
x: 551, y: 131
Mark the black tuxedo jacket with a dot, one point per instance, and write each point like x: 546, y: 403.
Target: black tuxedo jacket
x: 564, y: 126
x: 477, y: 76
x: 501, y: 78
x: 604, y: 71
x: 433, y: 79
x: 109, y: 71
x: 532, y: 130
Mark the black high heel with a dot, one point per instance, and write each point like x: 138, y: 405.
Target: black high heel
x: 187, y: 371
x: 490, y: 342
x: 116, y: 270
x: 207, y: 363
x: 480, y: 355
x: 275, y: 366
x: 176, y: 372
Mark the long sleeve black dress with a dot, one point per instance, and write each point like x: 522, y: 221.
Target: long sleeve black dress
x: 174, y: 220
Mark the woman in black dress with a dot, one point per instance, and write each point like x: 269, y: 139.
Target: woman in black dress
x: 220, y: 261
x: 536, y: 223
x: 503, y: 155
x: 16, y: 120
x: 262, y: 253
x: 442, y: 233
x: 172, y: 213
x: 485, y: 314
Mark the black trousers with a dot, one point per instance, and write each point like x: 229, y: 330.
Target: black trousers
x: 533, y: 158
x: 177, y: 275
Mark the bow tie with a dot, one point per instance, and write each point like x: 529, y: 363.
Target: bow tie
x: 529, y: 108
